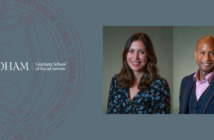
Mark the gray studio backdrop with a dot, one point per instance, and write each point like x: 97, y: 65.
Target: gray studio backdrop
x: 114, y: 40
x: 184, y: 44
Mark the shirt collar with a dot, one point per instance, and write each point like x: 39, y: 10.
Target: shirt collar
x: 208, y: 77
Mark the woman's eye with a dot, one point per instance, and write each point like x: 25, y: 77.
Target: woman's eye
x: 142, y: 52
x: 212, y: 53
x: 130, y: 50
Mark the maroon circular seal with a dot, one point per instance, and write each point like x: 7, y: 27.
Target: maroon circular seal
x: 42, y: 68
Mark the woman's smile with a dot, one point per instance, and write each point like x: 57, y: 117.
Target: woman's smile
x: 136, y: 64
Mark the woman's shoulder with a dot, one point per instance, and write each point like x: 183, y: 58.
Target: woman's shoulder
x: 160, y: 81
x: 114, y: 79
x: 115, y: 76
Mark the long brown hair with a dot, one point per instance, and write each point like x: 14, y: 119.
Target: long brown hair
x: 126, y: 76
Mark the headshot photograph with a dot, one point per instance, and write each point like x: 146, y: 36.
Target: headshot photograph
x: 193, y: 70
x: 138, y: 70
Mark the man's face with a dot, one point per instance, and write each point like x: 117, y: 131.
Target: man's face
x: 204, y: 56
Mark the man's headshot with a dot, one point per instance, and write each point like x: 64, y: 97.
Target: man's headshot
x: 197, y: 89
x: 204, y: 55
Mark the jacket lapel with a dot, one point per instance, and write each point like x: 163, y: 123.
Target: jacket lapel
x: 187, y: 92
x: 208, y: 97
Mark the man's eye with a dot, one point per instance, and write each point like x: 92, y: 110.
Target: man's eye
x: 202, y: 52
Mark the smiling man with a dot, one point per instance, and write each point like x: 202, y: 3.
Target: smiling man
x: 197, y: 89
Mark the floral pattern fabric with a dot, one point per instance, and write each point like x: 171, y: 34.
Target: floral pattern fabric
x: 155, y: 100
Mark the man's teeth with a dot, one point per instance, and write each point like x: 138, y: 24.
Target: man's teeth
x: 206, y: 64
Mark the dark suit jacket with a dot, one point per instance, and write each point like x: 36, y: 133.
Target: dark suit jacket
x: 187, y: 84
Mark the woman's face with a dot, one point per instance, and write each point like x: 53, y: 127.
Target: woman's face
x: 137, y: 57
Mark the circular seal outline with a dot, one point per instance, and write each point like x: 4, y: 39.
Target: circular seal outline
x: 77, y: 39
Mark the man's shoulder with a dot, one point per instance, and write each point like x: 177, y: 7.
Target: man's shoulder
x: 187, y: 78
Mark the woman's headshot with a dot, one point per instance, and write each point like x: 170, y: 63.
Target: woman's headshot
x: 138, y: 88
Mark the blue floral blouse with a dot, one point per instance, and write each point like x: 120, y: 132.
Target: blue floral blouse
x: 155, y: 100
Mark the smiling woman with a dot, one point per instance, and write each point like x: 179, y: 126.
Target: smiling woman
x: 138, y: 89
